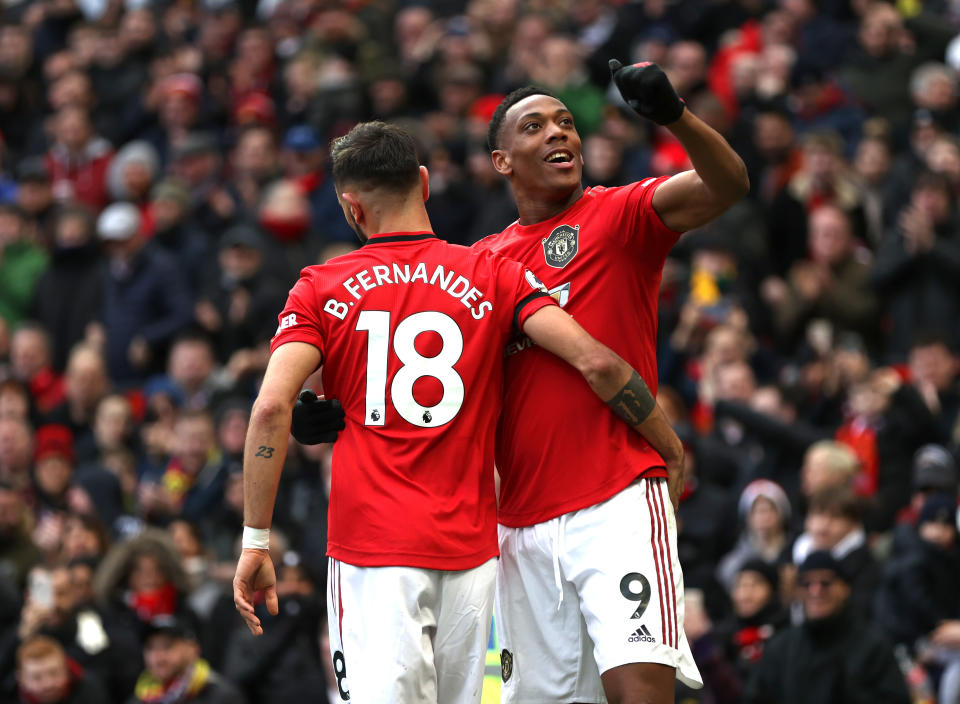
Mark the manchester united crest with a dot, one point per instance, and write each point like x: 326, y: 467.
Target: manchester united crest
x: 506, y: 664
x: 561, y: 246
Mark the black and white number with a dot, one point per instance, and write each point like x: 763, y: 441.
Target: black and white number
x: 629, y: 588
x: 340, y: 672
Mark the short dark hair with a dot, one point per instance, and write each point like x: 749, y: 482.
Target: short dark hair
x: 837, y: 502
x: 931, y: 338
x: 376, y: 155
x: 496, y: 122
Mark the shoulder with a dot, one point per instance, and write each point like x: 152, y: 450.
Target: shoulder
x: 626, y: 192
x: 496, y: 241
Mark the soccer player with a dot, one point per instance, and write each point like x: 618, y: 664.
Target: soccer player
x: 412, y: 535
x: 589, y: 604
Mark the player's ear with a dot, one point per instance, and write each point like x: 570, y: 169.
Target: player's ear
x: 501, y: 162
x: 425, y: 182
x: 353, y: 204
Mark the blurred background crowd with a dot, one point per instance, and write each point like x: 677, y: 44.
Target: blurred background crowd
x: 163, y: 176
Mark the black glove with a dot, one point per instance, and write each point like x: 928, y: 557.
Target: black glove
x: 316, y: 420
x: 648, y: 91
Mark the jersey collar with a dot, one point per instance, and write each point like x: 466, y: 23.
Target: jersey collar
x: 386, y: 237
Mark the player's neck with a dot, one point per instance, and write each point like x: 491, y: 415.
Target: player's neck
x: 534, y: 207
x: 403, y: 220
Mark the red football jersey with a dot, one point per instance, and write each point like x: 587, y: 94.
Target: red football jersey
x: 559, y: 448
x: 412, y: 331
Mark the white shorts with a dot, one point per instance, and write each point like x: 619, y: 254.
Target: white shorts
x: 407, y: 635
x: 588, y: 591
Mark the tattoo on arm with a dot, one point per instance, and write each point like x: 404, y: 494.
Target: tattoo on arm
x: 634, y: 402
x: 264, y: 451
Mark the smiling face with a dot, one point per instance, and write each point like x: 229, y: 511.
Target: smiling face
x: 540, y: 149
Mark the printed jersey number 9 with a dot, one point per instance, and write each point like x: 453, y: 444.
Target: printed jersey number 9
x: 414, y: 366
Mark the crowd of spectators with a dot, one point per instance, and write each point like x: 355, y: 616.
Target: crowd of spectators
x: 163, y: 176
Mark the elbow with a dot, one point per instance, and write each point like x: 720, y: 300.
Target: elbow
x: 270, y: 411
x: 602, y: 369
x: 744, y: 182
x: 740, y: 183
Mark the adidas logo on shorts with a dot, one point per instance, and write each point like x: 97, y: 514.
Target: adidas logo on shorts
x: 641, y: 635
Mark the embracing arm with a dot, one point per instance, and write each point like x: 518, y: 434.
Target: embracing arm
x: 614, y: 381
x: 718, y: 180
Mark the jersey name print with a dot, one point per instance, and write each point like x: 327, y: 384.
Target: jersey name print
x: 558, y: 450
x: 412, y: 332
x: 446, y: 280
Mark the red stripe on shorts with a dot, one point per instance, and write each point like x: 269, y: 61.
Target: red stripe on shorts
x: 673, y: 592
x: 656, y: 561
x: 662, y: 526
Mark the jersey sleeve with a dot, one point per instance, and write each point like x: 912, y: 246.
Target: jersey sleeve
x: 299, y: 321
x: 529, y: 293
x: 645, y: 232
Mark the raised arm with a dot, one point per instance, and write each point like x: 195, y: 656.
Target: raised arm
x: 263, y: 456
x: 719, y: 177
x: 614, y: 381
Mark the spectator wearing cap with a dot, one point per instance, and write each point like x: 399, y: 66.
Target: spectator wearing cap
x: 22, y: 263
x: 175, y: 671
x: 919, y: 588
x: 45, y: 675
x: 304, y: 160
x: 55, y: 492
x: 917, y: 269
x: 934, y: 471
x: 284, y: 664
x: 834, y: 523
x: 238, y: 305
x: 35, y: 197
x: 68, y: 294
x: 833, y: 657
x: 131, y: 175
x: 145, y: 300
x: 758, y: 614
x: 764, y: 512
x: 175, y: 232
x: 78, y: 159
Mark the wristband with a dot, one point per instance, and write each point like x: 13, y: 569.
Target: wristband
x: 256, y: 538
